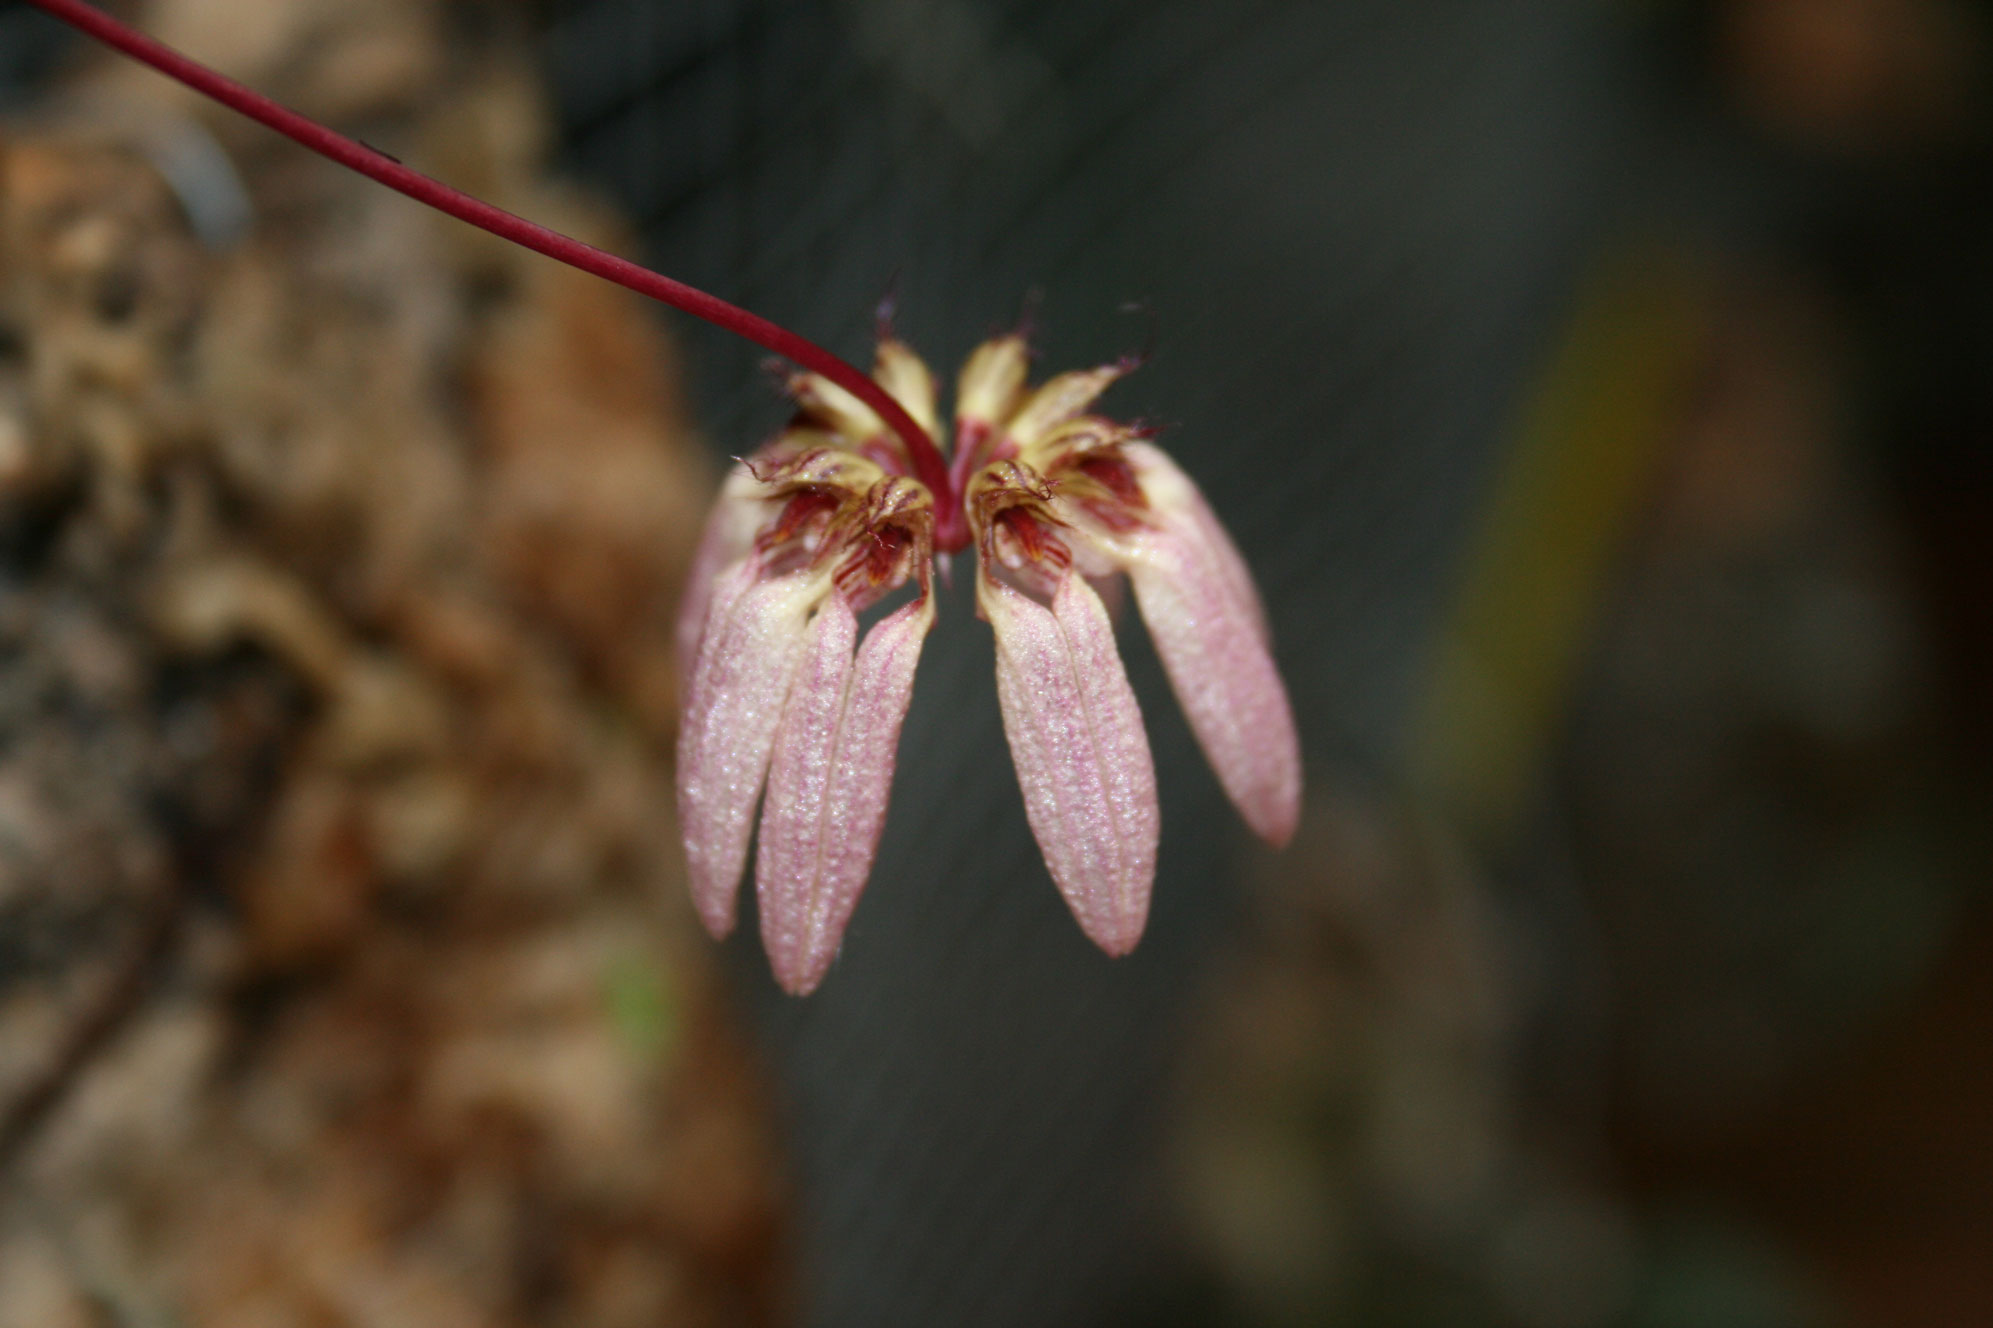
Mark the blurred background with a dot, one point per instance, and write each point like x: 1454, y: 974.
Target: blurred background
x: 1601, y: 391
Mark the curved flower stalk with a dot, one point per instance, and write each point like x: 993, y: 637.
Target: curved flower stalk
x: 829, y: 519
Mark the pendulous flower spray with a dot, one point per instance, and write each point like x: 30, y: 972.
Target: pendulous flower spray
x: 785, y: 706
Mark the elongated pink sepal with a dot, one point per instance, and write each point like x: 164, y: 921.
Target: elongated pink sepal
x: 1175, y: 499
x: 753, y: 641
x: 728, y: 537
x: 829, y: 782
x: 1212, y: 641
x: 1082, y: 756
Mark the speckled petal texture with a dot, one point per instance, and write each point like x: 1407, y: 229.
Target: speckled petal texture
x: 753, y: 642
x: 781, y: 689
x: 729, y: 535
x: 1211, y: 643
x: 1176, y: 500
x: 829, y: 782
x: 1082, y: 757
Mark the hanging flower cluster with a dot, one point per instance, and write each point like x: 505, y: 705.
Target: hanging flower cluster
x: 830, y: 518
x: 850, y: 504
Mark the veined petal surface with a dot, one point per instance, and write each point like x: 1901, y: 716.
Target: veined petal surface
x: 1224, y: 678
x: 1081, y: 753
x: 907, y: 380
x: 754, y: 640
x: 829, y: 782
x: 1058, y: 400
x: 728, y: 537
x: 992, y: 381
x: 1178, y: 503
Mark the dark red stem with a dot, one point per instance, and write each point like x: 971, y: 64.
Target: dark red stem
x: 928, y: 465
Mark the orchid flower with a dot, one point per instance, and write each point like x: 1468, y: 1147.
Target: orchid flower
x: 848, y: 506
x: 830, y: 518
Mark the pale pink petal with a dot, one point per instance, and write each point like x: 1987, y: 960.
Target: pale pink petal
x: 828, y: 784
x: 1082, y: 756
x: 1181, y: 507
x: 753, y: 642
x: 1223, y: 677
x: 728, y: 537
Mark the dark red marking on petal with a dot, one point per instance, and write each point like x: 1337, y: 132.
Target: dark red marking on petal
x: 804, y: 508
x: 1031, y: 537
x: 882, y: 453
x: 1112, y: 472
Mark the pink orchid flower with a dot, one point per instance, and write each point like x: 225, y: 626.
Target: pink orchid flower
x: 829, y: 519
x: 849, y: 505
